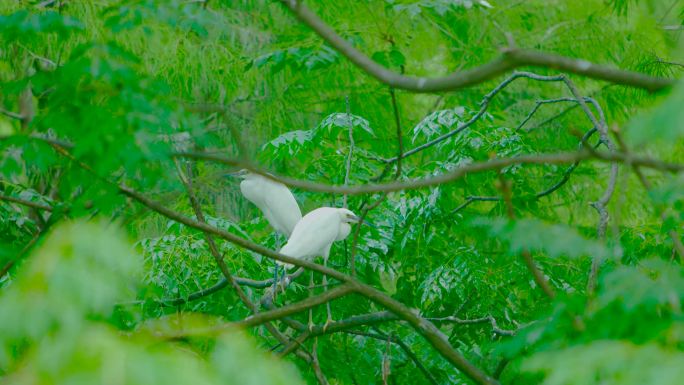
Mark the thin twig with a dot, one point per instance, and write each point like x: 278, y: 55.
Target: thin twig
x: 316, y: 365
x: 396, y: 340
x: 25, y: 202
x: 383, y: 196
x: 11, y: 114
x: 487, y: 319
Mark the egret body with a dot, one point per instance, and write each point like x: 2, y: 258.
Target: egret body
x: 314, y: 235
x: 274, y: 199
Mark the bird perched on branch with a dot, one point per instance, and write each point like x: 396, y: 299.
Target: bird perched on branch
x: 314, y: 235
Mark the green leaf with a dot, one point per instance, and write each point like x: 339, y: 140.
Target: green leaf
x: 23, y: 24
x: 609, y: 362
x: 664, y: 124
x: 534, y: 235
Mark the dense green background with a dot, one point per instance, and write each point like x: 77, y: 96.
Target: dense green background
x: 124, y: 81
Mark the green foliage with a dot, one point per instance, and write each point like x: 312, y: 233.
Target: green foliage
x: 607, y: 362
x: 54, y: 328
x: 124, y: 84
x: 25, y: 25
x: 532, y: 234
x: 664, y: 124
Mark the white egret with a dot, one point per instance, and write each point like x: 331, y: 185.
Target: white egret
x: 275, y: 201
x: 314, y: 235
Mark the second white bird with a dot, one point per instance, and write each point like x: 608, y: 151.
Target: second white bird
x: 315, y: 233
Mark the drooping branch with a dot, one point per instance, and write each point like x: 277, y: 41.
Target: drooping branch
x: 510, y: 58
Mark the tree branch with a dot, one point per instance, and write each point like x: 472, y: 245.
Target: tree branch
x: 407, y: 350
x: 492, y: 164
x: 425, y: 328
x: 26, y: 203
x: 187, y: 182
x: 537, y: 274
x: 11, y: 114
x: 509, y: 59
x: 487, y: 319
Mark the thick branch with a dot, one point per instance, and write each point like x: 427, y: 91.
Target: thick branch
x: 297, y: 307
x: 510, y: 58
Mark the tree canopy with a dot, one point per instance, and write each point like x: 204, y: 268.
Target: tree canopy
x: 520, y: 163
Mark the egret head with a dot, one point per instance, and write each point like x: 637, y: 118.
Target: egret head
x: 349, y: 217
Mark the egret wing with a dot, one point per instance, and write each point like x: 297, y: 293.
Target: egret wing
x: 281, y: 208
x: 313, y: 234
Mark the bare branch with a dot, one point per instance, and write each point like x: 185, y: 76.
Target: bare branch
x: 492, y: 164
x: 487, y: 319
x: 472, y: 199
x: 540, y: 103
x: 509, y: 59
x: 316, y: 365
x: 484, y: 105
x: 24, y: 202
x: 674, y: 236
x: 11, y: 114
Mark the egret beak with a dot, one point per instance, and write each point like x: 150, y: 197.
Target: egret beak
x: 369, y: 224
x: 355, y: 219
x: 237, y: 174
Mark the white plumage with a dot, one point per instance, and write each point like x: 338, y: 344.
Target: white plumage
x: 313, y: 236
x: 273, y: 199
x: 315, y: 233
